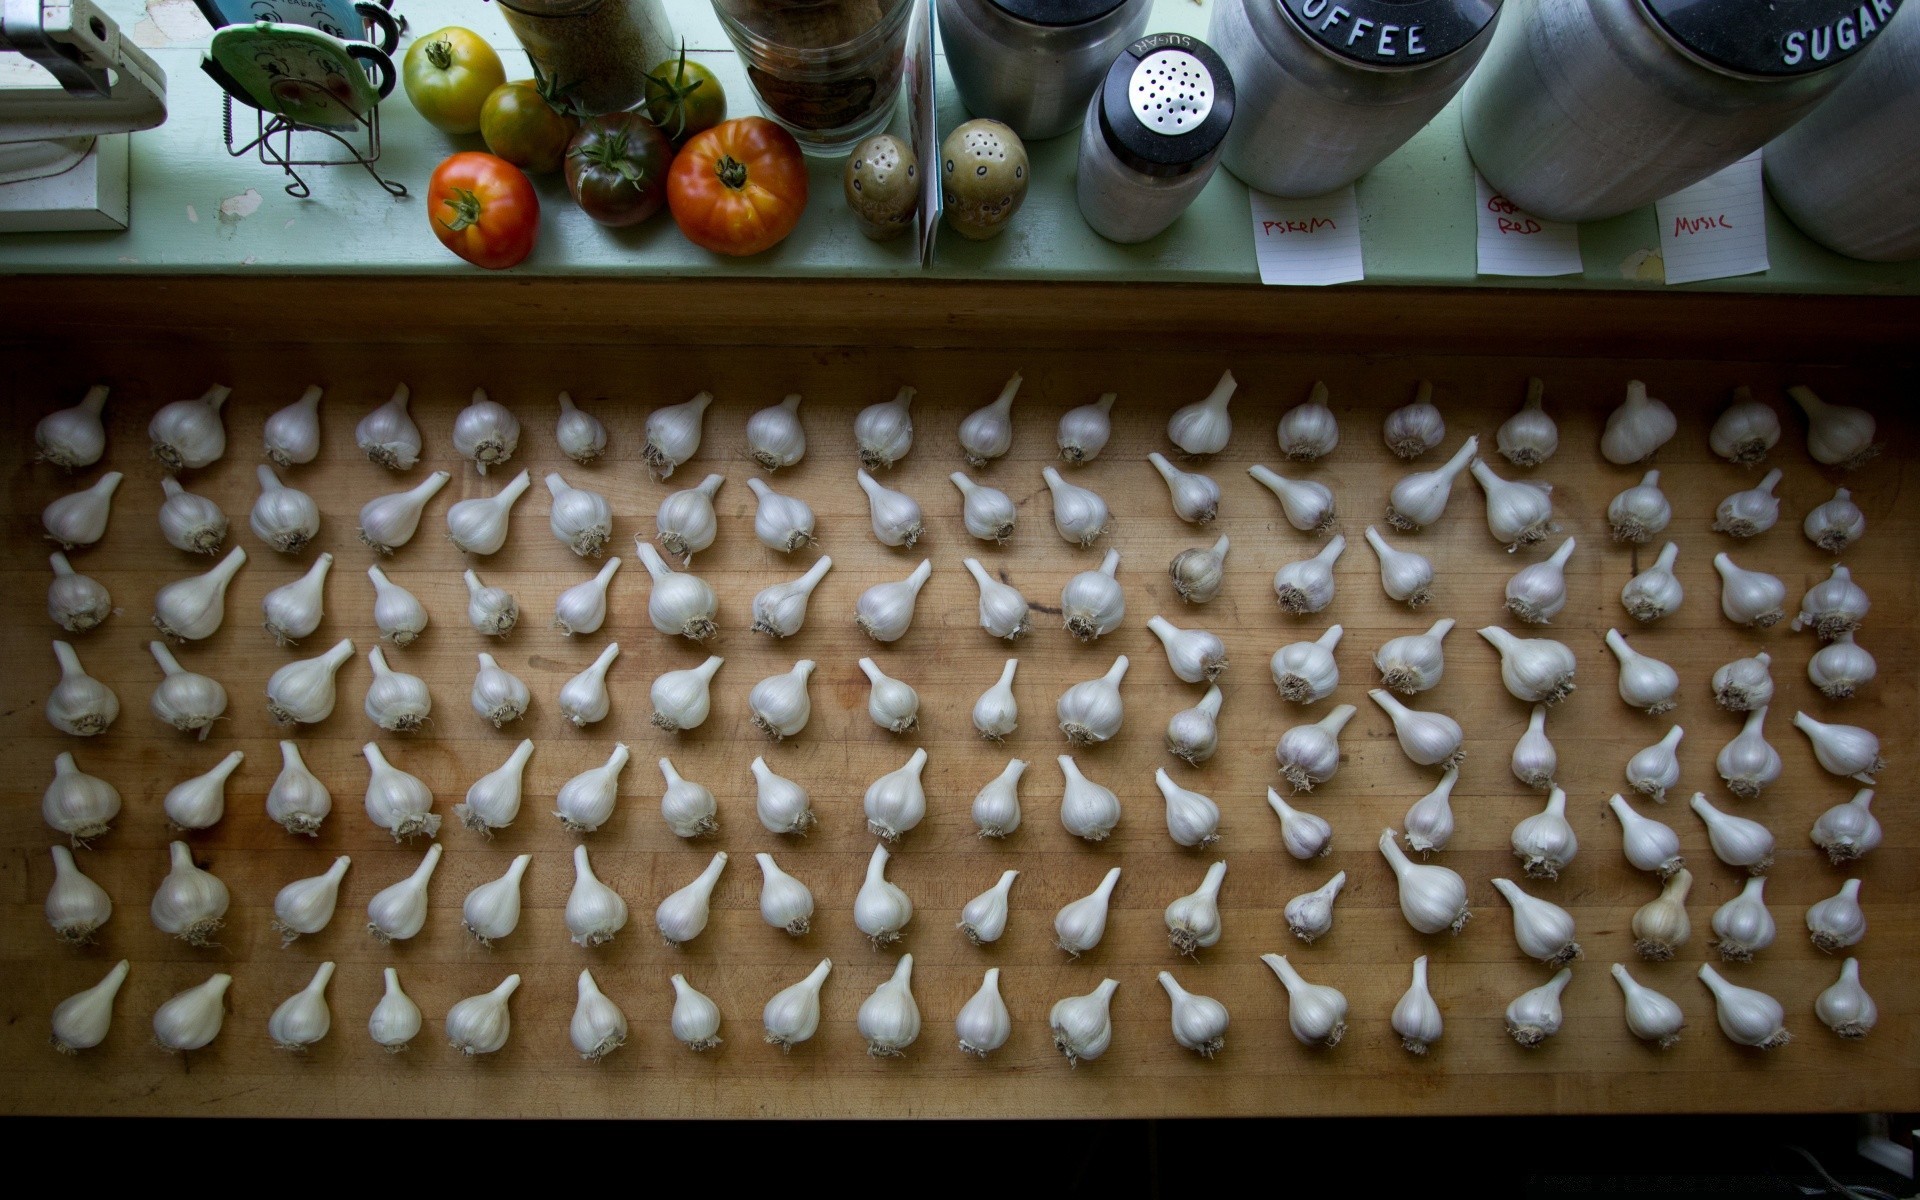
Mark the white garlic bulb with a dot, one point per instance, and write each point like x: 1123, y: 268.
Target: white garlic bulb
x: 1746, y: 430
x: 1837, y: 436
x: 1306, y: 835
x: 388, y: 522
x: 673, y: 434
x: 896, y: 802
x: 1660, y: 926
x: 1751, y: 598
x: 1193, y: 920
x: 775, y: 437
x: 1429, y: 821
x: 582, y: 608
x: 785, y: 902
x: 1193, y: 734
x: 1834, y: 606
x: 399, y: 911
x: 1429, y: 739
x: 305, y: 906
x: 885, y: 610
x: 996, y: 806
x: 1091, y: 710
x: 1844, y: 1007
x: 1542, y: 928
x: 388, y: 436
x: 984, y: 918
x: 1316, y: 1013
x: 1646, y: 683
x: 1195, y: 655
x: 491, y: 611
x: 80, y: 518
x: 1199, y: 571
x: 895, y: 516
x: 74, y: 437
x: 986, y: 433
x: 1836, y: 524
x: 303, y: 691
x: 1842, y: 749
x: 80, y: 1022
x: 497, y: 694
x: 485, y: 433
x: 881, y: 909
x: 191, y: 522
x: 578, y: 433
x: 683, y: 915
x: 782, y: 805
x: 1641, y: 511
x: 1419, y: 499
x: 1199, y: 1022
x: 479, y: 525
x: 1192, y: 819
x: 1204, y: 426
x: 480, y: 1024
x: 1848, y: 830
x: 285, y: 518
x: 1536, y: 670
x: 1310, y: 914
x: 79, y: 704
x: 1307, y: 505
x: 1003, y: 610
x: 77, y: 804
x: 686, y: 521
x: 889, y: 1019
x: 1309, y: 430
x: 397, y: 613
x: 681, y: 604
x: 1747, y: 1017
x: 184, y: 699
x: 398, y: 802
x: 1416, y: 1016
x: 995, y: 714
x: 190, y: 904
x: 1640, y: 426
x: 294, y: 610
x: 190, y: 609
x: 1538, y: 592
x: 1415, y: 427
x: 1305, y: 672
x: 200, y: 802
x: 1082, y: 1025
x: 781, y: 609
x: 594, y: 912
x: 1519, y: 513
x: 1651, y: 1017
x: 582, y: 520
x: 1079, y: 514
x: 696, y: 1018
x: 192, y: 1019
x: 598, y: 1027
x: 1529, y: 437
x: 189, y: 433
x: 1748, y: 763
x: 1840, y: 668
x: 492, y: 910
x: 1534, y: 759
x: 396, y: 701
x: 1545, y: 841
x: 1404, y: 575
x: 883, y: 432
x: 1196, y: 498
x: 983, y: 1024
x: 1414, y: 663
x: 1087, y: 809
x: 76, y: 602
x: 1648, y: 844
x: 682, y: 699
x: 1656, y: 591
x: 1753, y: 511
x: 1835, y: 923
x: 1084, y: 431
x: 779, y: 704
x: 1432, y: 897
x: 1744, y: 684
x: 1080, y: 924
x: 584, y: 700
x: 988, y: 513
x: 793, y: 1015
x: 1736, y: 841
x: 1306, y: 586
x: 76, y: 906
x: 585, y: 802
x: 494, y: 799
x: 1310, y: 753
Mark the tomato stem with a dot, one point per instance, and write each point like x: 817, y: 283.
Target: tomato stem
x: 732, y: 171
x: 466, y: 209
x: 439, y: 52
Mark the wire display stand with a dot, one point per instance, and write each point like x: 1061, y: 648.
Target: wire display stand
x: 274, y: 144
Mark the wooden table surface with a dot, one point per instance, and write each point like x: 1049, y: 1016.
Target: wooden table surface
x: 1592, y: 1066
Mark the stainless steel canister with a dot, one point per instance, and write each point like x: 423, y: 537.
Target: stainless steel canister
x: 1152, y: 136
x: 1586, y: 109
x: 1328, y: 88
x: 1031, y: 64
x: 1849, y: 174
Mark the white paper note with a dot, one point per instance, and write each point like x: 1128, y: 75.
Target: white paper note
x: 1717, y: 228
x: 1313, y: 242
x: 1513, y: 242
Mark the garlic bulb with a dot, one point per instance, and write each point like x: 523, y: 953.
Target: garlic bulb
x: 1744, y: 684
x: 1310, y: 914
x: 1534, y: 758
x: 578, y: 433
x: 696, y: 1018
x: 1003, y: 610
x: 996, y: 807
x: 988, y: 513
x: 492, y: 611
x: 1844, y: 1007
x: 1752, y: 598
x: 996, y: 713
x: 1736, y: 841
x: 1404, y: 575
x: 480, y: 1024
x: 80, y: 518
x: 78, y: 804
x: 1748, y: 763
x: 1415, y: 427
x: 303, y: 691
x: 889, y: 1019
x: 880, y: 908
x: 895, y: 516
x: 1305, y: 672
x: 1428, y: 738
x: 1082, y: 1025
x: 75, y: 905
x: 1195, y: 655
x: 1091, y: 710
x: 781, y: 609
x: 1084, y: 431
x: 1640, y: 426
x: 497, y: 695
x: 987, y: 433
x: 1080, y: 924
x: 584, y: 699
x: 305, y: 906
x: 1192, y: 819
x: 294, y: 610
x: 1193, y: 734
x: 1834, y: 606
x: 1538, y: 592
x: 1305, y: 835
x: 1746, y: 430
x: 1645, y: 683
x: 582, y: 608
x: 479, y: 525
x: 1753, y: 511
x: 885, y: 610
x: 81, y: 1021
x: 1432, y: 897
x: 1837, y: 436
x: 775, y: 437
x: 76, y: 602
x: 1746, y: 1016
x: 1429, y: 821
x: 680, y: 604
x: 485, y: 433
x: 1196, y: 498
x: 1535, y: 1015
x: 1840, y: 668
x: 585, y: 802
x: 1836, y: 524
x: 781, y: 804
x: 1545, y: 842
x: 79, y: 704
x: 190, y: 609
x: 285, y: 518
x: 1079, y: 515
x: 200, y: 802
x: 190, y: 522
x: 1414, y: 663
x: 1518, y: 513
x: 1418, y: 500
x: 1651, y: 1017
x: 1204, y: 426
x: 1656, y: 591
x: 396, y: 701
x: 396, y: 801
x: 594, y: 912
x: 1193, y: 920
x: 74, y: 437
x: 1842, y: 749
x: 1529, y: 437
x: 1835, y: 922
x: 397, y: 613
x: 681, y: 699
x: 883, y: 432
x: 1307, y: 505
x: 492, y: 910
x: 1309, y: 430
x: 1536, y: 670
x: 190, y: 903
x: 598, y: 1027
x: 1416, y: 1017
x: 1640, y: 511
x: 1199, y: 1022
x: 1660, y: 926
x: 893, y: 706
x: 1316, y: 1013
x: 582, y: 520
x: 189, y: 433
x: 183, y: 699
x: 388, y: 522
x: 984, y: 918
x: 896, y: 802
x: 1846, y: 831
x: 1087, y: 809
x: 399, y: 911
x: 494, y: 799
x: 683, y: 915
x: 686, y: 520
x: 1197, y: 572
x: 388, y: 436
x: 192, y: 1019
x: 673, y: 434
x: 1310, y: 754
x: 1306, y: 586
x: 779, y: 703
x: 1649, y: 844
x: 793, y: 1014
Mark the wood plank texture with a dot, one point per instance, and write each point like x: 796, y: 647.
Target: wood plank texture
x: 1594, y: 1066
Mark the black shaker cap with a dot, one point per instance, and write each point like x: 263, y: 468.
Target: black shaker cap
x: 1166, y: 104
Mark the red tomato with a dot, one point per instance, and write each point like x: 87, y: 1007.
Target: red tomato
x: 483, y: 209
x: 738, y: 188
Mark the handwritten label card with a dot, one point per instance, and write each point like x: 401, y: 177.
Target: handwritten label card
x: 1513, y: 242
x: 1717, y: 228
x: 1309, y: 242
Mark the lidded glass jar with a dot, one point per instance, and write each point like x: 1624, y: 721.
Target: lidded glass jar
x: 598, y: 51
x: 1152, y: 136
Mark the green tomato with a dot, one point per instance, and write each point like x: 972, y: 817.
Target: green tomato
x: 449, y: 75
x: 684, y: 98
x: 525, y: 124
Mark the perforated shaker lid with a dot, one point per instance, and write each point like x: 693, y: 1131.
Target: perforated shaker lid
x: 1058, y: 12
x: 1166, y: 104
x: 1392, y: 33
x: 1773, y: 37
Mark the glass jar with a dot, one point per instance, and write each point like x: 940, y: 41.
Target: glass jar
x: 597, y: 51
x: 827, y: 70
x: 1152, y: 136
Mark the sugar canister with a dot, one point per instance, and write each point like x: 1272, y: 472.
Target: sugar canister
x: 1152, y: 135
x: 1031, y: 64
x: 1328, y: 88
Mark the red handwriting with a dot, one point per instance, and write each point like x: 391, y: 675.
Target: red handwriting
x: 1497, y: 203
x: 1693, y: 225
x: 1527, y: 226
x: 1313, y: 225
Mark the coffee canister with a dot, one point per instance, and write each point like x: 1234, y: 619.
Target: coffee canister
x: 1031, y: 64
x: 1586, y: 109
x: 1152, y: 135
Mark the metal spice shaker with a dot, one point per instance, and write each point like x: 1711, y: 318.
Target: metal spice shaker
x: 1328, y: 88
x: 1031, y: 64
x: 598, y: 51
x: 1152, y: 136
x: 1849, y: 174
x: 1586, y: 109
